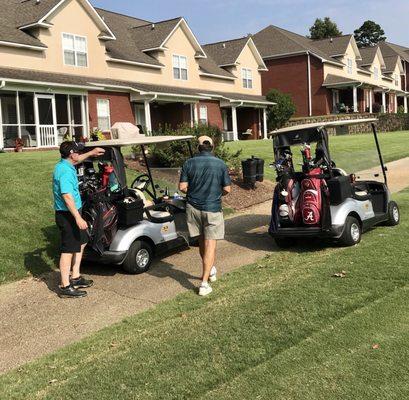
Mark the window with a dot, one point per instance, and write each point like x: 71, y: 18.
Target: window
x: 247, y: 76
x: 396, y: 80
x: 104, y: 115
x: 75, y: 50
x: 203, y: 115
x: 376, y: 73
x: 180, y: 67
x: 140, y: 115
x: 349, y: 65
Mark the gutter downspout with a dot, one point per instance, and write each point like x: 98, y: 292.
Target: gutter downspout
x: 2, y: 84
x: 309, y: 84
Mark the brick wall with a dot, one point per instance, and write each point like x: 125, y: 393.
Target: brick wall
x: 119, y: 103
x: 214, y: 113
x: 321, y: 96
x: 288, y: 75
x: 248, y: 118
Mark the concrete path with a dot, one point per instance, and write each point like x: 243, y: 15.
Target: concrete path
x: 34, y: 321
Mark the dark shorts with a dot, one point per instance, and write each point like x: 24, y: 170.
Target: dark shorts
x: 72, y: 237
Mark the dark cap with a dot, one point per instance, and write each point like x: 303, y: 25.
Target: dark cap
x: 68, y: 148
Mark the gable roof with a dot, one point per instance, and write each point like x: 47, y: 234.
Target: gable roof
x: 273, y: 42
x: 227, y: 52
x: 336, y: 46
x: 391, y: 62
x: 390, y: 49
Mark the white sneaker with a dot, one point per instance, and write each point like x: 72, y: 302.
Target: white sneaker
x: 205, y: 289
x: 213, y: 274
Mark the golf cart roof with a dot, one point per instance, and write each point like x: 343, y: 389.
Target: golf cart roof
x: 310, y: 133
x: 323, y: 124
x: 137, y: 141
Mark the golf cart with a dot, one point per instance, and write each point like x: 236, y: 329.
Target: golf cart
x: 129, y: 225
x: 322, y: 200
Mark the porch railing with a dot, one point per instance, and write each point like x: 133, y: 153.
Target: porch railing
x: 47, y: 136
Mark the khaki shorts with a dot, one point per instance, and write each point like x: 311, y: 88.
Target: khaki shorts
x: 205, y: 223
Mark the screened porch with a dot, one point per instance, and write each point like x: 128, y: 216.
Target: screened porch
x: 41, y: 120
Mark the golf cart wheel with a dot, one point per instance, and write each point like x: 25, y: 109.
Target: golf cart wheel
x: 393, y: 214
x: 284, y: 243
x: 139, y: 258
x: 352, y: 232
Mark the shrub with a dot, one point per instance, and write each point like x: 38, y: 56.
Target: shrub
x: 280, y: 113
x: 174, y: 154
x: 401, y: 110
x: 376, y: 108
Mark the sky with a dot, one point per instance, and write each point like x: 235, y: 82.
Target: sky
x: 213, y: 21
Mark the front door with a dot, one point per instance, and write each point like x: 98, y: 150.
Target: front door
x: 46, y: 120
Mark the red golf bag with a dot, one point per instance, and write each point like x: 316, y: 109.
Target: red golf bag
x: 311, y: 197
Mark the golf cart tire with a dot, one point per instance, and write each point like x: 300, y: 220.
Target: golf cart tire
x: 352, y: 233
x: 393, y: 214
x: 139, y: 258
x: 284, y: 243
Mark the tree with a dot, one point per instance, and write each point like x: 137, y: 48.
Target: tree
x: 282, y: 111
x: 324, y: 28
x: 369, y: 34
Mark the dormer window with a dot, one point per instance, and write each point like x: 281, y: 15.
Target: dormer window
x: 349, y: 63
x: 376, y: 73
x: 180, y: 67
x: 247, y: 76
x: 75, y: 50
x: 396, y: 79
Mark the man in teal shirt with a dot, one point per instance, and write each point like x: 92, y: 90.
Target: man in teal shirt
x: 73, y: 228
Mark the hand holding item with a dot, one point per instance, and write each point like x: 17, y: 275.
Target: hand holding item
x: 98, y: 151
x: 82, y: 224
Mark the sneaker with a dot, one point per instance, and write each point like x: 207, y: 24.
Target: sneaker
x: 81, y: 283
x: 71, y: 292
x: 213, y: 274
x: 205, y: 289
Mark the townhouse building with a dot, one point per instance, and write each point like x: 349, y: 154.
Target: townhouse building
x: 333, y: 75
x: 66, y: 66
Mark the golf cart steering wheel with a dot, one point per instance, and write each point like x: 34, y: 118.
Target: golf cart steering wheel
x: 141, y: 182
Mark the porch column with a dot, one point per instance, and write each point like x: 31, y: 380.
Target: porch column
x: 148, y: 120
x: 370, y: 100
x: 384, y: 102
x: 405, y: 104
x: 355, y: 97
x: 265, y: 130
x: 83, y: 117
x: 234, y: 123
x: 193, y: 115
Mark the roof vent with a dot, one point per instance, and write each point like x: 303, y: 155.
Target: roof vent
x: 38, y: 1
x: 331, y: 40
x: 153, y: 26
x: 224, y: 45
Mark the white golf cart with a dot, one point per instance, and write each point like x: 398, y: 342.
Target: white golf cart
x: 322, y: 199
x: 128, y: 226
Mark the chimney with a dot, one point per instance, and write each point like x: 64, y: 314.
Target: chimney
x: 224, y: 45
x: 153, y: 26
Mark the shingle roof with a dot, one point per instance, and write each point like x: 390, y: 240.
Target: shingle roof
x: 390, y: 49
x: 390, y: 63
x: 74, y: 80
x: 368, y: 55
x: 226, y: 52
x: 274, y: 41
x: 338, y: 80
x: 333, y: 46
x: 209, y: 66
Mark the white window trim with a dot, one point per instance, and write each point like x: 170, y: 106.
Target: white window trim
x: 244, y: 76
x: 75, y: 51
x: 105, y: 116
x: 204, y: 107
x: 349, y: 66
x: 180, y: 69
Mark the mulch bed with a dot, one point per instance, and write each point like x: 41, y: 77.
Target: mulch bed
x: 241, y: 196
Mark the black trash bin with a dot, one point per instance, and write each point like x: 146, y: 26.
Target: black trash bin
x: 260, y: 170
x: 249, y: 167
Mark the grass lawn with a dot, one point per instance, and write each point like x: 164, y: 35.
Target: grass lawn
x: 352, y: 153
x: 29, y: 238
x: 283, y: 328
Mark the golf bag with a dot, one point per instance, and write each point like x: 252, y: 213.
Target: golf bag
x: 102, y: 218
x: 310, y: 204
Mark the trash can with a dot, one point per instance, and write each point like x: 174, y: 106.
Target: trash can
x: 260, y: 170
x: 249, y: 168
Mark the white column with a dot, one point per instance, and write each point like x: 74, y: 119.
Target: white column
x: 83, y: 116
x: 370, y: 100
x: 37, y: 120
x: 384, y: 102
x: 265, y: 130
x: 87, y: 121
x: 54, y: 111
x: 234, y: 122
x: 355, y: 96
x: 1, y: 129
x: 70, y: 122
x: 405, y: 104
x: 148, y: 117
